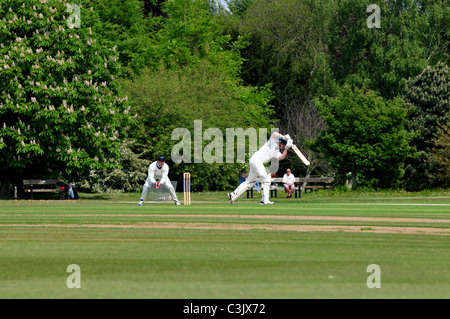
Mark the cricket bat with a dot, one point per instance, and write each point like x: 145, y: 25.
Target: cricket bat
x: 300, y: 155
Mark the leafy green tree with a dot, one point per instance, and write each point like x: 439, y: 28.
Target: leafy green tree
x: 239, y: 7
x: 60, y: 114
x: 191, y: 35
x: 428, y: 93
x: 365, y: 136
x: 282, y: 49
x: 193, y: 75
x: 440, y: 156
x: 128, y: 25
x: 412, y: 35
x: 171, y: 99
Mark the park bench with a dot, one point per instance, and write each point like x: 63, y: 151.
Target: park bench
x: 43, y: 185
x: 312, y: 183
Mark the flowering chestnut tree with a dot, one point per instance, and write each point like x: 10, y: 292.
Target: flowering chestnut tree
x: 60, y: 112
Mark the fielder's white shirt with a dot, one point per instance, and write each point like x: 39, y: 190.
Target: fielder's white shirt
x: 288, y: 179
x: 268, y: 151
x: 158, y: 173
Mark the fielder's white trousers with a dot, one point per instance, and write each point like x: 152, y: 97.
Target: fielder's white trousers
x: 167, y: 184
x: 257, y: 169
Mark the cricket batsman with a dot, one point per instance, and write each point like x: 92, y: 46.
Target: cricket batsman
x: 276, y: 147
x: 158, y: 175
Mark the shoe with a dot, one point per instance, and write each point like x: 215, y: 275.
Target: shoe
x: 177, y: 203
x: 141, y: 202
x: 229, y: 197
x: 268, y: 203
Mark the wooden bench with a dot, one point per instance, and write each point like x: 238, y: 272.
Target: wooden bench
x: 42, y: 185
x: 317, y: 183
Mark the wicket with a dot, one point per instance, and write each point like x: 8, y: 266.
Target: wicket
x: 187, y: 188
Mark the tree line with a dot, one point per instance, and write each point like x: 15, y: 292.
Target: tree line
x: 95, y: 103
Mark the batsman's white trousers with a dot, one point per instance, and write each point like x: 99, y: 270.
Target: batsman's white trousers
x: 257, y: 169
x: 167, y: 184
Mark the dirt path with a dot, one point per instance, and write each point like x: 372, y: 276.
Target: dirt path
x: 303, y: 217
x: 300, y: 228
x: 281, y: 217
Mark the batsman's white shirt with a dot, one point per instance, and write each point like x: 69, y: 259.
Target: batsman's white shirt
x: 268, y: 151
x: 158, y: 173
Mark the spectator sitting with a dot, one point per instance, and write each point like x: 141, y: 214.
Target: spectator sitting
x: 289, y: 183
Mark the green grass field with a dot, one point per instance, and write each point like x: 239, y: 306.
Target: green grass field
x: 317, y: 246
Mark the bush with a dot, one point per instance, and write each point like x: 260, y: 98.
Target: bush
x: 129, y: 177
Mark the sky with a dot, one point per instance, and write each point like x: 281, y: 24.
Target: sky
x: 222, y: 2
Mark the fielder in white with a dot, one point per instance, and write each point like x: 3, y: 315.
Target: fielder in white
x: 158, y: 175
x: 276, y: 147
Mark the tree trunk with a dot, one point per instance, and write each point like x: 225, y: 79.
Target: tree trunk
x: 4, y: 187
x: 308, y: 173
